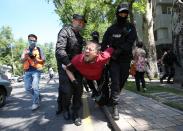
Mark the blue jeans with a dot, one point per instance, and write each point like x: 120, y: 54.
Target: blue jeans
x: 31, y: 82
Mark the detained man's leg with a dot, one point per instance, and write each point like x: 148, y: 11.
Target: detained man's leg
x: 92, y: 87
x: 36, y: 89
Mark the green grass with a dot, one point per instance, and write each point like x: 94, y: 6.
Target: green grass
x: 152, y: 88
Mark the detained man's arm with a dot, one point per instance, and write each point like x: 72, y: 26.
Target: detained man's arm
x: 69, y: 73
x: 106, y: 55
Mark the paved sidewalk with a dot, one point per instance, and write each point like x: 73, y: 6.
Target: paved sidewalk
x: 139, y: 113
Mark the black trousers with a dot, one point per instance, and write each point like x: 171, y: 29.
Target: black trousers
x: 67, y: 94
x: 119, y: 73
x: 139, y: 78
x: 169, y: 72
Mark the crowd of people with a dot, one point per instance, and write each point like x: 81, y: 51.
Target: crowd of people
x: 81, y: 62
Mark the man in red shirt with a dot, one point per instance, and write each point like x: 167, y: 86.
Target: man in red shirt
x: 90, y: 63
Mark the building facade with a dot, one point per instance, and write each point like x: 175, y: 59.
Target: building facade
x: 168, y: 29
x: 162, y: 14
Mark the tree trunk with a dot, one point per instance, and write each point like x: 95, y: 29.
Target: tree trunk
x: 131, y: 11
x: 149, y: 39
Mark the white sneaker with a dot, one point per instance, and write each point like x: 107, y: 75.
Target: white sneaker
x: 145, y: 89
x: 35, y: 106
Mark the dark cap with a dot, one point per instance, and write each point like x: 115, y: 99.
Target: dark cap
x: 79, y: 17
x: 95, y: 34
x: 123, y: 7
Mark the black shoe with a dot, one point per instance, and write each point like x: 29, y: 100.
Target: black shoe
x: 115, y: 114
x: 66, y: 115
x: 144, y: 90
x: 77, y: 121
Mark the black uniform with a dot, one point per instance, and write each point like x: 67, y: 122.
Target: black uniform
x: 69, y: 43
x: 121, y: 37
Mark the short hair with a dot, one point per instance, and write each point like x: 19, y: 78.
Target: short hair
x: 98, y: 47
x: 32, y: 35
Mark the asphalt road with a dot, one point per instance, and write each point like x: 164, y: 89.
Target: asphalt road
x: 17, y: 114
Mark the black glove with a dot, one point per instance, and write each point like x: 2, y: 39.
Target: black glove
x: 75, y: 84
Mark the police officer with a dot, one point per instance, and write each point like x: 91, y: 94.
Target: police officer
x: 69, y: 43
x: 121, y: 37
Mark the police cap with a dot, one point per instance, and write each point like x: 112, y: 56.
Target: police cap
x: 79, y: 17
x: 123, y: 7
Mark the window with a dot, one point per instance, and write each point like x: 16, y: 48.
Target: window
x: 166, y: 9
x: 162, y: 33
x: 169, y: 10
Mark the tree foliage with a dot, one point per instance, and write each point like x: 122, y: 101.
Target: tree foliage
x: 99, y: 13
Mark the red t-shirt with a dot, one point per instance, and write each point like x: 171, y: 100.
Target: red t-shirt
x: 92, y: 71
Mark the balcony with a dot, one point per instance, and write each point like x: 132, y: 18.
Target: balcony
x: 164, y: 2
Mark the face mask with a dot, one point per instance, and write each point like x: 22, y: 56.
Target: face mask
x: 77, y: 27
x: 121, y: 20
x: 32, y: 44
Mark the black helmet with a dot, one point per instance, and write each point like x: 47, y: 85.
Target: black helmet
x: 95, y: 34
x: 123, y: 7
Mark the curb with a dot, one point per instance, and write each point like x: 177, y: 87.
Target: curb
x: 112, y: 123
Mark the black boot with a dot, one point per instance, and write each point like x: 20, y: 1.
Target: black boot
x: 76, y: 119
x: 115, y: 114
